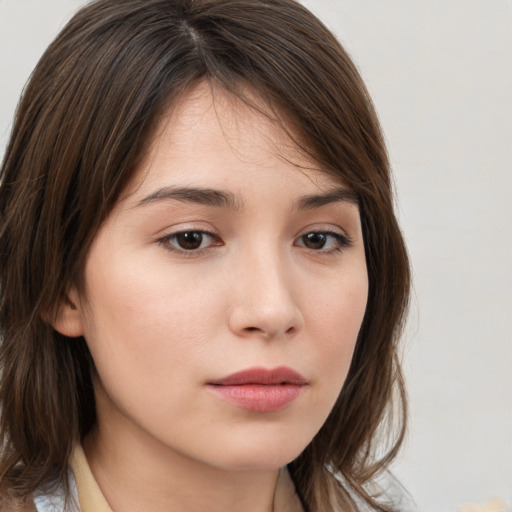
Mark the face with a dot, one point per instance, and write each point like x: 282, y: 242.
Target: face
x: 224, y: 293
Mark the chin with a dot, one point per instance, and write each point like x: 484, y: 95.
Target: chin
x: 262, y: 454
x: 261, y: 462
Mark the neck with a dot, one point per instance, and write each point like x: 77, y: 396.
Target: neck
x: 136, y: 472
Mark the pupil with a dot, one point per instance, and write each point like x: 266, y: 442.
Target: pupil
x: 189, y: 240
x: 314, y: 240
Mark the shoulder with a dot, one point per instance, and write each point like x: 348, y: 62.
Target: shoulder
x: 385, y: 489
x: 41, y: 501
x: 392, y: 493
x: 57, y: 501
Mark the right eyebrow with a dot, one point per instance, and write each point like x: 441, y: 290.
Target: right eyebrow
x: 203, y: 196
x: 340, y: 194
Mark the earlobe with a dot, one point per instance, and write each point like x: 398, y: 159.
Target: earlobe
x: 68, y: 319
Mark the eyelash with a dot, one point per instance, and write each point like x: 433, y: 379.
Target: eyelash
x: 170, y: 242
x: 341, y: 241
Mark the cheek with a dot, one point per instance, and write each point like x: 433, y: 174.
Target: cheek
x: 148, y: 334
x: 143, y: 318
x: 336, y: 315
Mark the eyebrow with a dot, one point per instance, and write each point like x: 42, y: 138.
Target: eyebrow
x: 226, y: 199
x: 203, y: 196
x: 341, y: 194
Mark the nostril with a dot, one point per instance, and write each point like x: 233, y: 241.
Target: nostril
x: 290, y: 330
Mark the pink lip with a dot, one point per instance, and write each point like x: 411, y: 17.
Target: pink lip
x: 259, y: 389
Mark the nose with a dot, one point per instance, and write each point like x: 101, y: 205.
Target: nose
x: 264, y: 303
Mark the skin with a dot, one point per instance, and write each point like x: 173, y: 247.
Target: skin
x: 162, y: 321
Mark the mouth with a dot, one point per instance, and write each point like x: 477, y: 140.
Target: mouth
x: 260, y: 389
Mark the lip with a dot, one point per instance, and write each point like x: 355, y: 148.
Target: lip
x: 260, y: 389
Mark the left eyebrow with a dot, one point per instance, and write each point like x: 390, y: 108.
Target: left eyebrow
x: 202, y: 196
x: 312, y: 201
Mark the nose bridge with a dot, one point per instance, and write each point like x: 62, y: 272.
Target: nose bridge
x: 265, y: 304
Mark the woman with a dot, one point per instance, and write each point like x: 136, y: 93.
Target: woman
x: 202, y: 277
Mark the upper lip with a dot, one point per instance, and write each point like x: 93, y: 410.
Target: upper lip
x: 263, y: 376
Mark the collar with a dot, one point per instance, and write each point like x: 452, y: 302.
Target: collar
x: 92, y: 500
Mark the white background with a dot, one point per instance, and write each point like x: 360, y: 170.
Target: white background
x: 440, y: 72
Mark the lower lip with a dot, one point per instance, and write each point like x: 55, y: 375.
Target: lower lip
x: 258, y: 397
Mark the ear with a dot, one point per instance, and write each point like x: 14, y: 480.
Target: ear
x: 68, y: 320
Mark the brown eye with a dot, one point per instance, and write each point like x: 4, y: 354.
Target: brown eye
x: 324, y: 241
x: 315, y: 240
x: 189, y: 241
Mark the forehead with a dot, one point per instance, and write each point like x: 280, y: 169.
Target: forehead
x: 211, y: 137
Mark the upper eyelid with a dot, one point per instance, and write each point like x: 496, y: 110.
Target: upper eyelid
x: 169, y: 235
x: 196, y: 226
x: 322, y: 228
x: 329, y: 230
x: 325, y: 228
x: 335, y: 234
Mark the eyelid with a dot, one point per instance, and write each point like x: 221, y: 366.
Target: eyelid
x: 165, y: 241
x: 325, y: 227
x: 343, y: 240
x: 168, y: 240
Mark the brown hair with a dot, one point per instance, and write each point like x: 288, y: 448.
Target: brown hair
x: 80, y: 131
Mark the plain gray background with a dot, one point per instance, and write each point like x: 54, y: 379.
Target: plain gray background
x: 440, y: 73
